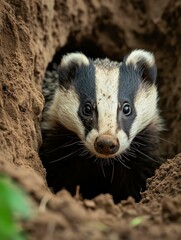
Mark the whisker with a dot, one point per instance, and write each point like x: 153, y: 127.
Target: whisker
x: 129, y: 152
x: 123, y: 154
x: 66, y: 156
x: 95, y: 160
x: 84, y: 152
x: 145, y: 139
x: 146, y: 136
x: 90, y: 155
x: 69, y: 135
x: 62, y: 146
x: 145, y: 155
x: 71, y: 144
x: 120, y: 160
x: 102, y: 166
x: 139, y: 143
x: 112, y: 171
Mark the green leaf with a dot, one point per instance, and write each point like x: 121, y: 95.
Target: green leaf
x: 13, y: 205
x: 136, y: 221
x: 6, y: 220
x: 15, y: 198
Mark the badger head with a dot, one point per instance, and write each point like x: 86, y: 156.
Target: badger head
x: 106, y: 103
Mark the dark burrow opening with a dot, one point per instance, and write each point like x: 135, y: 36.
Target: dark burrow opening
x: 90, y: 49
x: 86, y: 46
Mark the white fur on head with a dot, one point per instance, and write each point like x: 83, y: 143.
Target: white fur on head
x: 64, y: 110
x: 146, y: 108
x: 65, y: 107
x: 135, y: 56
x: 107, y: 85
x: 78, y: 58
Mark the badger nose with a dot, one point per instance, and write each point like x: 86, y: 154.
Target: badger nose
x: 106, y: 144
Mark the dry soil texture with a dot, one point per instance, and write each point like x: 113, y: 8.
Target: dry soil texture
x: 31, y: 32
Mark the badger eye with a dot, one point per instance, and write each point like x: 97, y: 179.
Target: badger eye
x: 126, y: 109
x: 87, y: 109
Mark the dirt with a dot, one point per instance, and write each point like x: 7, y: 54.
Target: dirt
x: 31, y: 34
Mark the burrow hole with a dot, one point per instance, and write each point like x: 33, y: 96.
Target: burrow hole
x: 91, y: 49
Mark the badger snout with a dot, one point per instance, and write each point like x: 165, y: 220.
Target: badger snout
x: 106, y: 144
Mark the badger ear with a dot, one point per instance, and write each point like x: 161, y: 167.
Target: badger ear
x: 144, y: 63
x: 69, y: 65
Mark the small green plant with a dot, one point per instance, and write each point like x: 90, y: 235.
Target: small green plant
x: 136, y: 221
x: 13, y: 207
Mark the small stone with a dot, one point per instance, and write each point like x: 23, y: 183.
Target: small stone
x: 89, y: 204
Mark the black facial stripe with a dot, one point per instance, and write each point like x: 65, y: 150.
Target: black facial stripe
x: 67, y: 75
x: 86, y: 88
x: 129, y: 81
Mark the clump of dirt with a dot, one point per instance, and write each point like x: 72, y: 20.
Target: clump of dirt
x: 31, y: 32
x: 157, y: 216
x: 166, y: 182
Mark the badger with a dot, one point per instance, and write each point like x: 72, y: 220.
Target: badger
x: 101, y: 129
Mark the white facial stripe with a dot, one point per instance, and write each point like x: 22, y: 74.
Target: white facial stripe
x: 124, y: 141
x: 65, y: 108
x: 146, y: 109
x: 107, y: 99
x: 90, y: 139
x: 137, y: 55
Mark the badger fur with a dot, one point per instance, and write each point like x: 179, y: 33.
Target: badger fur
x: 101, y: 129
